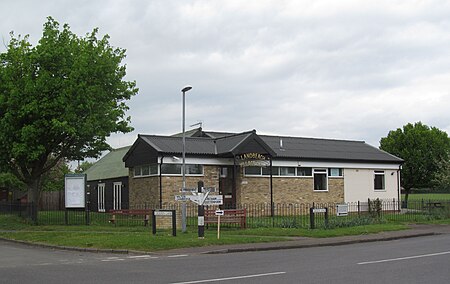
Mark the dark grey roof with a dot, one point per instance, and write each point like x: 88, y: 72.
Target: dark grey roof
x: 221, y: 143
x: 227, y: 144
x: 174, y: 145
x: 215, y: 134
x: 327, y: 149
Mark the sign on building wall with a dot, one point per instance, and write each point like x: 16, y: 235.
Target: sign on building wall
x: 253, y: 160
x: 75, y: 185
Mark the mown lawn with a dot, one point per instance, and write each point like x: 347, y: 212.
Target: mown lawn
x: 141, y: 238
x: 428, y: 196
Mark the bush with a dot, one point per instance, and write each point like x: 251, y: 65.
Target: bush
x: 351, y: 222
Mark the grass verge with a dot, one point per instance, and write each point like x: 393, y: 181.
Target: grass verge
x: 140, y: 238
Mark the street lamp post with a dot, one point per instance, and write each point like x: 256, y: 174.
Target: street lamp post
x: 183, y: 168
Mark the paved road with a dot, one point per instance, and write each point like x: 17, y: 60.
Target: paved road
x: 415, y: 260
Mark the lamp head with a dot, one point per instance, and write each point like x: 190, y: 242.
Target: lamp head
x: 186, y: 88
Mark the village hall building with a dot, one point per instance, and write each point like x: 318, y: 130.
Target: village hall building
x: 248, y: 168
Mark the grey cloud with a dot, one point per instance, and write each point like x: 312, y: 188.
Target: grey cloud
x: 337, y: 69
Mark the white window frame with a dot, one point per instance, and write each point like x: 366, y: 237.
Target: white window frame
x: 320, y: 171
x: 278, y: 174
x: 339, y: 170
x: 101, y: 197
x: 379, y: 173
x: 117, y: 195
x: 140, y: 170
x: 186, y: 173
x: 297, y: 170
x: 252, y: 175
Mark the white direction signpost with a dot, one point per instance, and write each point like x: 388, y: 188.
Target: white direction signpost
x: 213, y: 200
x: 201, y: 198
x: 219, y: 213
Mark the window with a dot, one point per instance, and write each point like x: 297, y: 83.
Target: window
x: 146, y: 170
x: 258, y: 171
x: 171, y: 169
x: 335, y: 172
x: 117, y: 196
x: 320, y: 180
x: 175, y: 169
x: 379, y: 180
x: 101, y: 197
x: 304, y: 172
x: 252, y: 171
x: 266, y: 171
x: 287, y: 171
x: 153, y: 169
x: 194, y: 169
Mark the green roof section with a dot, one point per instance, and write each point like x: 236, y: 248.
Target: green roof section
x: 110, y: 166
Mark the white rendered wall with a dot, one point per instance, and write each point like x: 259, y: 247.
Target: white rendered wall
x: 359, y: 185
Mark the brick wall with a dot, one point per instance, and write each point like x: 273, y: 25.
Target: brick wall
x: 288, y: 190
x: 143, y: 190
x: 250, y: 190
x: 146, y: 189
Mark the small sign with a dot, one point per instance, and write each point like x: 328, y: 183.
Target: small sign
x: 219, y: 212
x: 163, y: 213
x: 204, y: 189
x: 188, y: 190
x: 319, y: 210
x: 193, y: 198
x: 213, y: 200
x: 209, y: 189
x: 201, y: 220
x: 342, y: 210
x: 201, y: 198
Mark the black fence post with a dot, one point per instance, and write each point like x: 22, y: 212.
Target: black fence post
x: 326, y: 217
x: 174, y: 223
x: 153, y: 222
x: 311, y: 218
x: 201, y: 214
x: 87, y: 211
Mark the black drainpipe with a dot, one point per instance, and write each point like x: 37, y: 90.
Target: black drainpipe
x: 160, y: 182
x: 398, y: 188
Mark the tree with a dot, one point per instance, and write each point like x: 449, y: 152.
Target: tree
x: 53, y: 180
x: 11, y: 182
x: 83, y: 167
x: 424, y: 150
x: 59, y: 100
x: 442, y: 179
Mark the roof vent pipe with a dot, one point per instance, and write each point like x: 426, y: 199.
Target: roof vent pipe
x: 281, y: 143
x: 215, y: 147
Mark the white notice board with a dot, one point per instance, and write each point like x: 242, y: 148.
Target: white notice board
x: 75, y: 185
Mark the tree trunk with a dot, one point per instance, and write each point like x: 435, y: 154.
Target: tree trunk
x: 34, y: 192
x: 407, y: 191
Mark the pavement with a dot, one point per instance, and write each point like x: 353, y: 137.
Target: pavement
x: 304, y: 242
x: 293, y: 243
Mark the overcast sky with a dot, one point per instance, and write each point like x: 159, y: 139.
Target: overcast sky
x: 331, y: 69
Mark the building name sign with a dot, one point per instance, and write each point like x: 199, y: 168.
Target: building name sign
x: 253, y: 160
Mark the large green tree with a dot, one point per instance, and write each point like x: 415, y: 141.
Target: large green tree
x: 60, y: 99
x: 424, y: 149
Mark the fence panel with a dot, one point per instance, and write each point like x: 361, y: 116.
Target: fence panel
x: 286, y: 215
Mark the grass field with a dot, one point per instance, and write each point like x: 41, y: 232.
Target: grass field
x: 428, y: 196
x: 141, y: 238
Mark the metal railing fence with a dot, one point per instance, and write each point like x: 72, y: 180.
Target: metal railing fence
x: 284, y: 215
